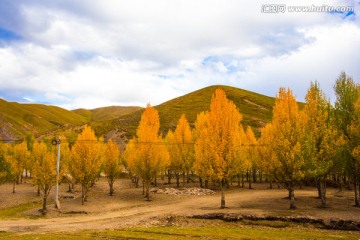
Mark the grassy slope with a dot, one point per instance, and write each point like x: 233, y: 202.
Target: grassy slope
x: 84, y: 112
x: 255, y: 108
x: 37, y: 118
x: 106, y: 113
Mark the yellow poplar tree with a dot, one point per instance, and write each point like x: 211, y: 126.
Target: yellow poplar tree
x: 221, y: 139
x: 85, y: 162
x: 354, y: 144
x: 146, y: 153
x: 202, y: 164
x: 129, y: 159
x: 319, y: 146
x: 111, y: 165
x: 251, y: 154
x: 181, y: 148
x: 175, y: 164
x: 44, y: 170
x: 266, y: 153
x: 4, y: 165
x: 65, y: 158
x: 16, y: 158
x: 347, y: 93
x: 245, y: 164
x: 287, y: 129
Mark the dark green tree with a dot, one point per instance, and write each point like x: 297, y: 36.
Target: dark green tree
x: 346, y: 91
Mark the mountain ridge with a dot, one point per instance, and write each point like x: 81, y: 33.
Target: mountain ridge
x: 120, y: 122
x: 255, y: 108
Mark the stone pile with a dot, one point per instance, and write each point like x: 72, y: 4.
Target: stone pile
x: 184, y: 191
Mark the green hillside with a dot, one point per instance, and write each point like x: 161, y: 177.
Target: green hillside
x: 105, y: 113
x: 84, y: 112
x: 255, y: 108
x: 120, y: 123
x: 16, y: 120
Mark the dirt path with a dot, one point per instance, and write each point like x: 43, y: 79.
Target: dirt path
x: 128, y: 208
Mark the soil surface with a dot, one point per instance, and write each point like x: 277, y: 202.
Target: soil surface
x: 128, y: 207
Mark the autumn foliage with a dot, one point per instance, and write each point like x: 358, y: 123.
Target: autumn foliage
x: 181, y: 149
x: 111, y: 166
x: 315, y: 143
x: 44, y: 169
x: 218, y: 144
x: 146, y: 153
x: 85, y: 162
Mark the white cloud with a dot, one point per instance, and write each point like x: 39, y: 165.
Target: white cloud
x: 92, y: 54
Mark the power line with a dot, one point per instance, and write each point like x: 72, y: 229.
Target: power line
x: 116, y: 141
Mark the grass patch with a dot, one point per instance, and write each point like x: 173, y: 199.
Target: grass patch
x: 224, y: 231
x: 18, y: 211
x: 271, y: 224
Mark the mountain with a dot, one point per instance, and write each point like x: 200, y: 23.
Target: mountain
x: 256, y: 110
x: 120, y: 123
x: 105, y: 113
x: 16, y: 120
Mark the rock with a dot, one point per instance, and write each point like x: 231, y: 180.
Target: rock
x: 184, y: 191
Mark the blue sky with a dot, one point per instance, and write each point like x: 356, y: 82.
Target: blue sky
x: 98, y: 53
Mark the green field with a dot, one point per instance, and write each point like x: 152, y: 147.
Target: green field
x: 221, y: 231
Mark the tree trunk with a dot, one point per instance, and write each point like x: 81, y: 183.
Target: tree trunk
x: 14, y: 187
x: 136, y: 179
x: 318, y: 186
x: 238, y: 177
x: 82, y: 195
x: 250, y: 183
x: 143, y: 185
x: 341, y: 187
x: 254, y: 174
x: 111, y: 185
x: 292, y: 197
x: 201, y: 182
x: 242, y: 180
x: 44, y: 205
x: 183, y: 179
x: 147, y: 191
x: 271, y: 185
x: 177, y: 175
x: 169, y: 177
x: 38, y: 191
x: 323, y: 192
x: 356, y: 191
x: 222, y: 194
x: 206, y: 183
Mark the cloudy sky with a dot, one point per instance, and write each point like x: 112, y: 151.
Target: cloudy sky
x: 98, y: 53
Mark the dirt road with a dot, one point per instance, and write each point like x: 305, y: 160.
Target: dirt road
x: 128, y: 208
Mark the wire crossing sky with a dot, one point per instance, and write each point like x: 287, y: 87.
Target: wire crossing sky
x: 99, y: 53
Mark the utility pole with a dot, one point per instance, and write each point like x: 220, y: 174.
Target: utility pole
x: 57, y: 202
